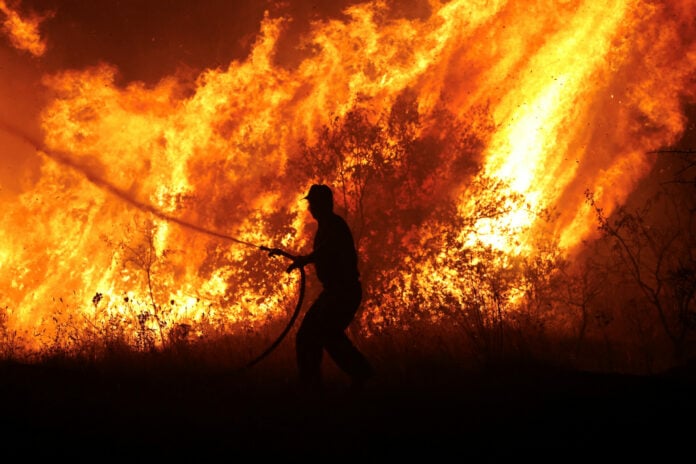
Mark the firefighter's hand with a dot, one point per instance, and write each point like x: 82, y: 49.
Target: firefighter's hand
x: 275, y: 252
x: 297, y: 262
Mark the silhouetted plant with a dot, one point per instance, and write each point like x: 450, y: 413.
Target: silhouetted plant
x: 651, y: 250
x: 12, y: 344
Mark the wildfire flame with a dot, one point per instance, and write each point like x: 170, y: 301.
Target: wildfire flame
x: 547, y: 99
x: 23, y: 32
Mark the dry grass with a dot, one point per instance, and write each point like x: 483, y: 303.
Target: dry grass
x: 430, y: 396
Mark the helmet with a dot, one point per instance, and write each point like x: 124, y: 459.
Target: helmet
x: 320, y: 193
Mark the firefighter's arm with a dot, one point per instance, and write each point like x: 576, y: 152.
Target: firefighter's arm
x: 300, y: 261
x: 277, y: 252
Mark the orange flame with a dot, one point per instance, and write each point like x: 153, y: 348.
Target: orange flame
x: 23, y: 32
x: 577, y: 92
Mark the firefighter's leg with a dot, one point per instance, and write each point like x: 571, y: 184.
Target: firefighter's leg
x: 309, y: 347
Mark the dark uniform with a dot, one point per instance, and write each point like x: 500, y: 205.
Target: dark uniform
x: 323, y: 327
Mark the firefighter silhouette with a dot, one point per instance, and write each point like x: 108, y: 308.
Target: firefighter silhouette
x: 324, y: 325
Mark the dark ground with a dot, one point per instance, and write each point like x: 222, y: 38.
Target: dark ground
x: 449, y: 414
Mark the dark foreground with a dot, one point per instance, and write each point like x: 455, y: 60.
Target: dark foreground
x: 450, y: 414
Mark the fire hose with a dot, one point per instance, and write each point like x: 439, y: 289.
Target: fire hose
x: 296, y: 312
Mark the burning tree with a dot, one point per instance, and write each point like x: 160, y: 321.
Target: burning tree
x: 459, y: 141
x: 399, y: 175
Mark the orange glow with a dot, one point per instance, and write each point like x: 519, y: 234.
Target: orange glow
x: 22, y: 32
x: 575, y: 91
